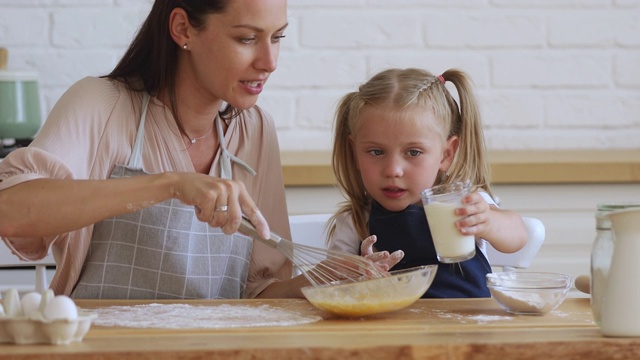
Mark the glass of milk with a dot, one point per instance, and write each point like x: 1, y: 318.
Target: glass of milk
x: 440, y: 203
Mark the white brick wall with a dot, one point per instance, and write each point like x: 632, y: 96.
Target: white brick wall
x: 551, y: 74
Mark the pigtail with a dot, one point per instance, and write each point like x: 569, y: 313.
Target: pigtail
x: 470, y: 161
x: 400, y: 88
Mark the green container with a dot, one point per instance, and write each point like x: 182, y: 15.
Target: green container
x: 20, y: 116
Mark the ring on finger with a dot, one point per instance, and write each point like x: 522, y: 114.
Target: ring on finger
x: 222, y: 208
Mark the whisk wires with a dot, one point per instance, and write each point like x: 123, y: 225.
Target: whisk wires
x: 320, y: 266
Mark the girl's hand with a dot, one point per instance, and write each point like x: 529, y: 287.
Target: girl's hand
x: 503, y: 229
x: 475, y: 213
x: 382, y: 259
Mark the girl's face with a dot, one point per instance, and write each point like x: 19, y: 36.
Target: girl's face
x: 233, y: 56
x: 399, y: 153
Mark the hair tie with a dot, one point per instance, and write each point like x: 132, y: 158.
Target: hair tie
x: 441, y: 78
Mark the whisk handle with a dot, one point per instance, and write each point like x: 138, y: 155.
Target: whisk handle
x: 247, y: 228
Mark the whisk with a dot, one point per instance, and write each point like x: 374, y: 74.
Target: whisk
x: 320, y: 266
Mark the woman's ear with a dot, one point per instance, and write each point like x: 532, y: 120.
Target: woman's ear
x: 449, y: 154
x: 179, y: 27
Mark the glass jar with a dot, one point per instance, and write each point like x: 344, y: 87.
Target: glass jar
x: 601, y: 253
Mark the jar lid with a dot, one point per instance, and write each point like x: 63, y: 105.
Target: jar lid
x: 606, y: 207
x: 602, y: 220
x: 18, y: 75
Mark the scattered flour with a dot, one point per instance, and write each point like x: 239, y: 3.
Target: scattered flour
x: 463, y: 318
x: 560, y: 314
x: 183, y: 316
x: 483, y: 319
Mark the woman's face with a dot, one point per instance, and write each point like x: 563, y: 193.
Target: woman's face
x: 234, y: 54
x: 399, y: 153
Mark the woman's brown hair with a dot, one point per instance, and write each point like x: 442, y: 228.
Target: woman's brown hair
x: 150, y: 63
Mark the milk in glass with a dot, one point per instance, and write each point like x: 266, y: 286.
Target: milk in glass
x: 450, y: 244
x: 440, y: 203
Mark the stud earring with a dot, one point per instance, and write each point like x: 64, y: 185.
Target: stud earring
x: 185, y: 46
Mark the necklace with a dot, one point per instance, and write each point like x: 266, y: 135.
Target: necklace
x: 193, y: 140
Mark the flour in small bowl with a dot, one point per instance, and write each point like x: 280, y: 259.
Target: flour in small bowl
x: 183, y: 316
x: 524, y: 302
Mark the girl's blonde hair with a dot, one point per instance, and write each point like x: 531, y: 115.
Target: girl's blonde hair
x: 399, y: 89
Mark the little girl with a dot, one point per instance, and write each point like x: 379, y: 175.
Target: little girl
x: 399, y: 134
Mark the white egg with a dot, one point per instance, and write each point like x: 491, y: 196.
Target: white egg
x: 30, y: 303
x: 11, y: 303
x: 61, y: 307
x: 46, y: 296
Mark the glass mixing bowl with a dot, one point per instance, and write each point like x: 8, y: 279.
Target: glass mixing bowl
x: 374, y: 296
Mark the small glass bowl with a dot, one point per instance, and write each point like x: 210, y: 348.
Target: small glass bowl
x: 374, y: 296
x: 528, y: 293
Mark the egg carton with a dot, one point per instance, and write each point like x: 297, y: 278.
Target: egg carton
x: 41, y: 318
x: 31, y: 331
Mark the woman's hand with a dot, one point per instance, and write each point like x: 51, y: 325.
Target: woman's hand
x: 382, y: 259
x: 219, y: 202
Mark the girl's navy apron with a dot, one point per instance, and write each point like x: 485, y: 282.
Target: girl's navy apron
x: 408, y: 230
x: 164, y: 251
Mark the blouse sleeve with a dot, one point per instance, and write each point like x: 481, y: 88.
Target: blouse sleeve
x: 345, y: 237
x: 66, y: 145
x: 65, y: 148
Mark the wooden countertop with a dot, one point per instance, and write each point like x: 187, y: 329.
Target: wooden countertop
x: 507, y: 167
x: 442, y: 329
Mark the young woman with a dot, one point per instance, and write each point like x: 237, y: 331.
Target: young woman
x: 138, y: 179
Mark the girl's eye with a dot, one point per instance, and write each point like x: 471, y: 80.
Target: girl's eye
x: 247, y: 40
x: 375, y: 152
x: 414, y: 152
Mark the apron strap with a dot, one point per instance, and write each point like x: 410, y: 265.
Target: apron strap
x: 226, y: 158
x: 135, y: 162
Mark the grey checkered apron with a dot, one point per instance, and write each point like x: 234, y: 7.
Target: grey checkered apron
x: 162, y: 252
